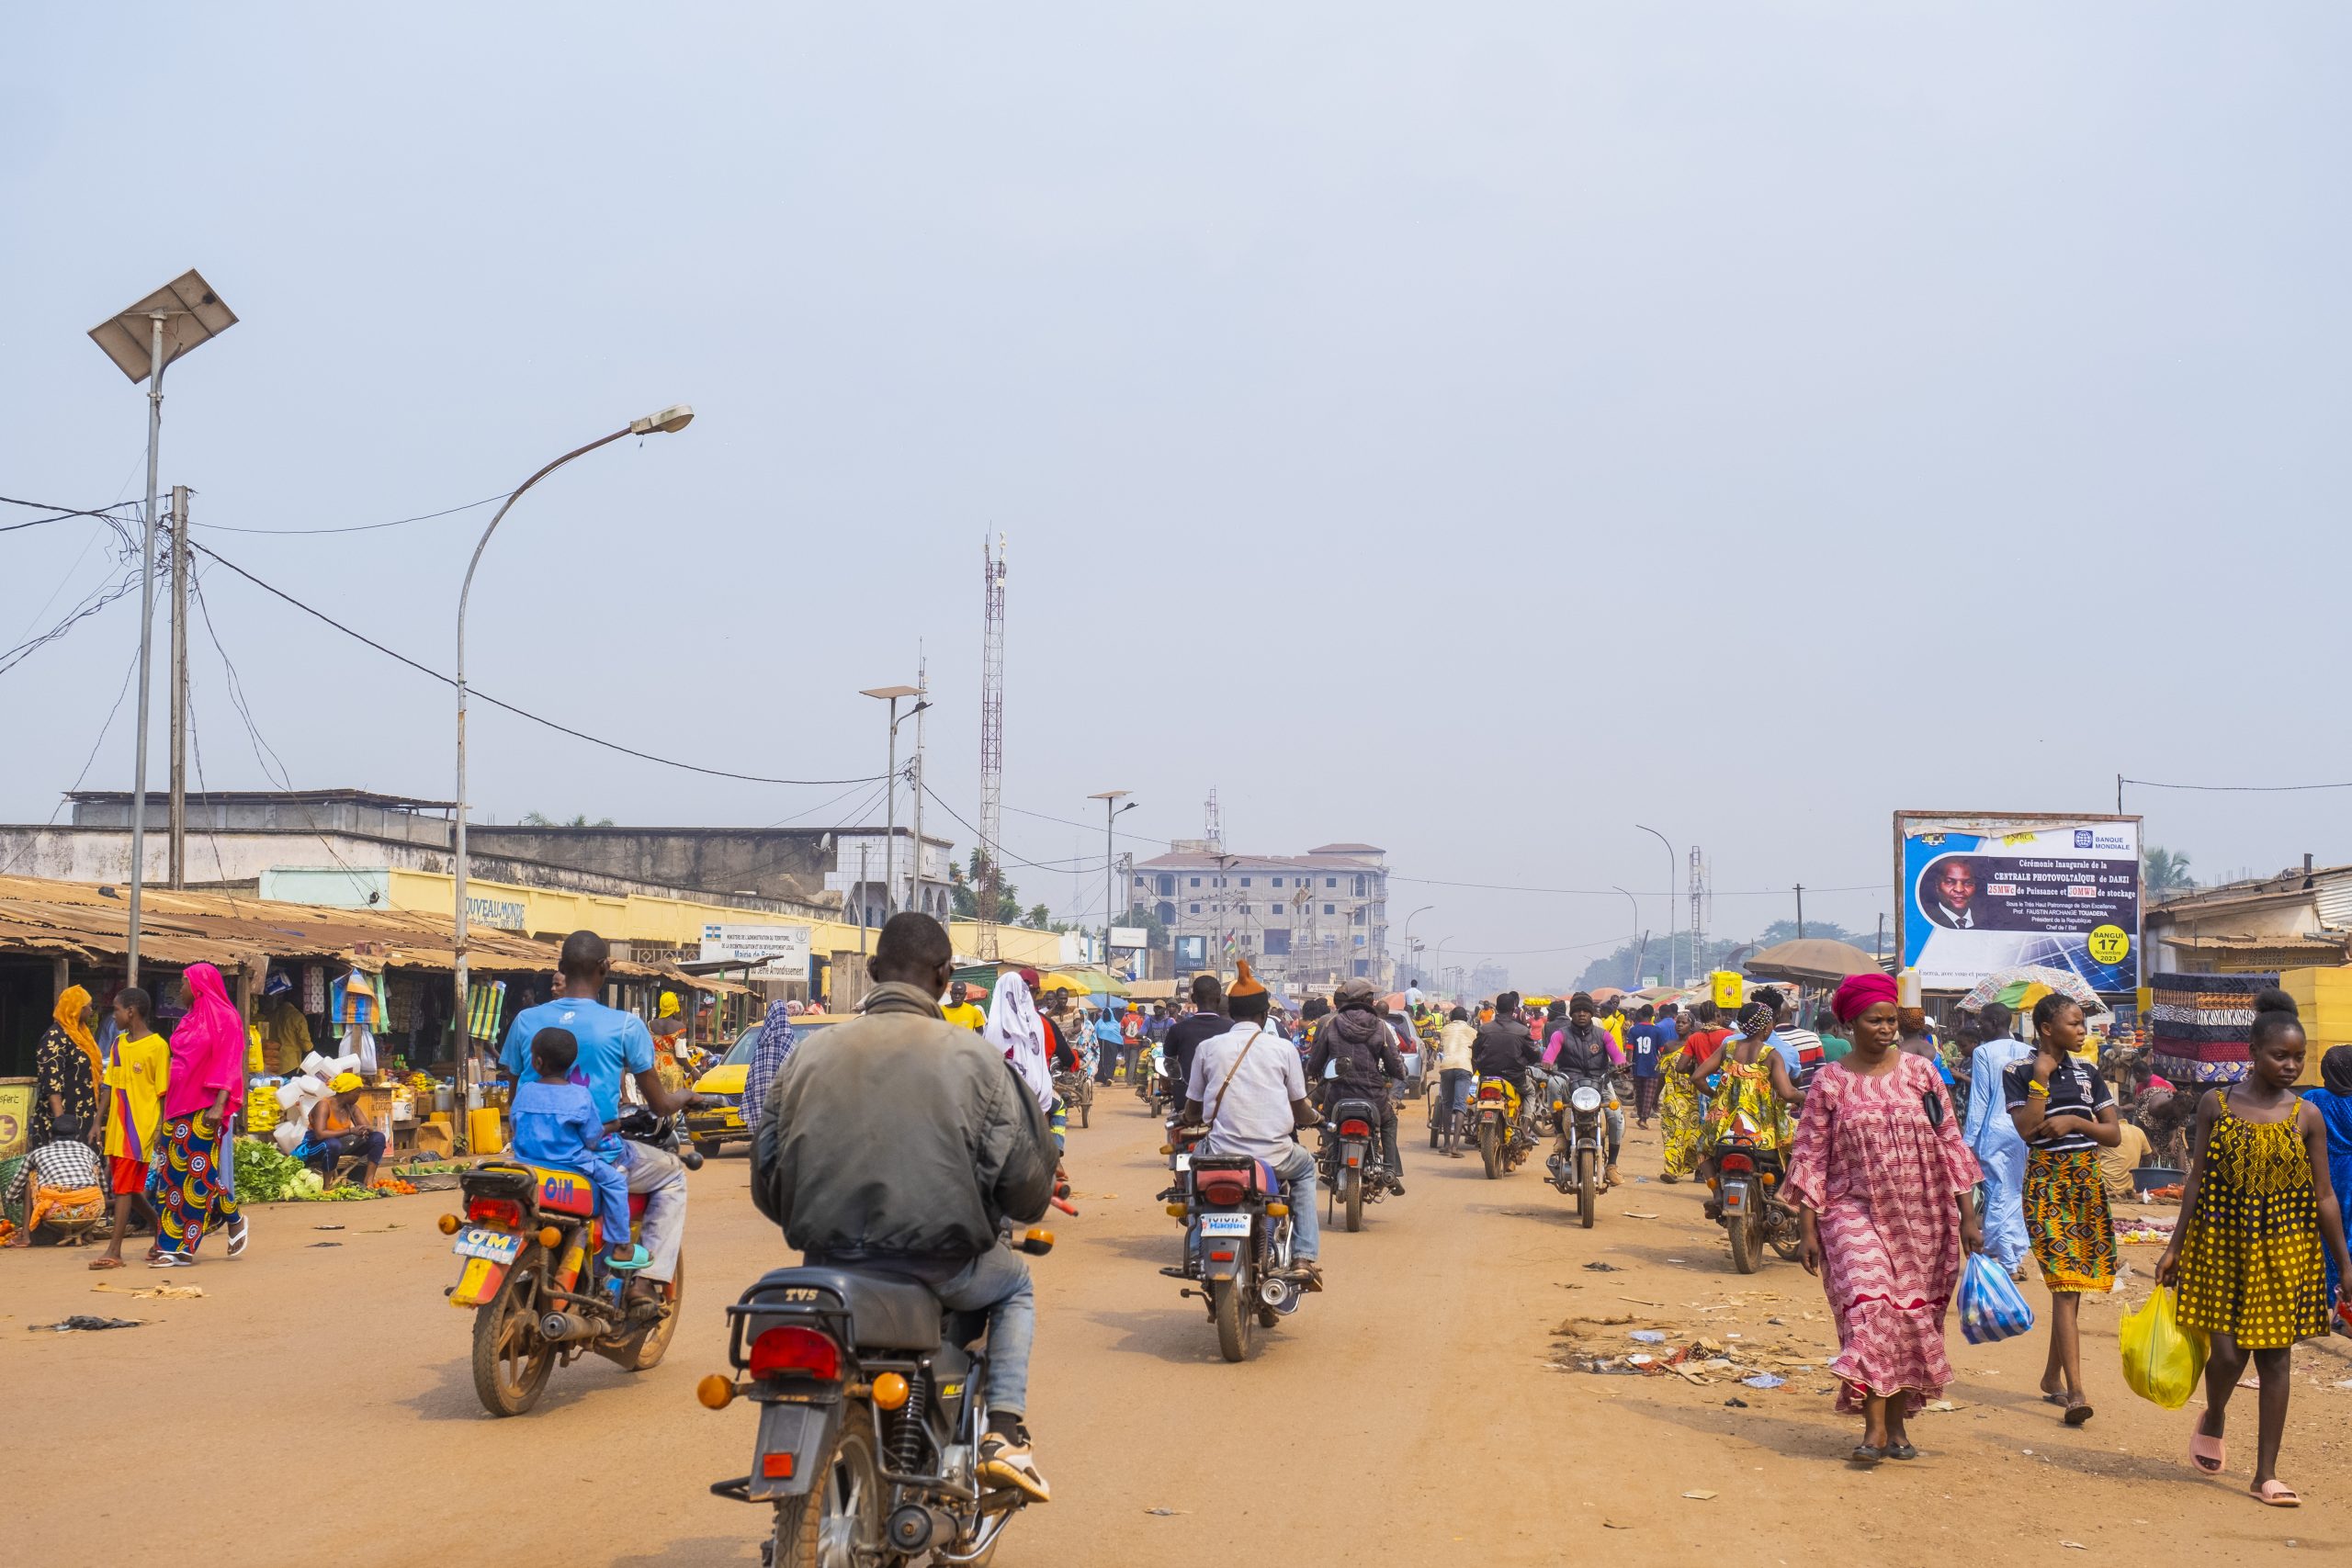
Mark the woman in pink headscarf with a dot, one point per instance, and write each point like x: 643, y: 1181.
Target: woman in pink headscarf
x: 206, y: 1088
x: 1883, y: 1180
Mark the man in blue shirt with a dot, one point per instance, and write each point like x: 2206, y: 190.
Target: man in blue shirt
x: 611, y: 1045
x: 1646, y: 1044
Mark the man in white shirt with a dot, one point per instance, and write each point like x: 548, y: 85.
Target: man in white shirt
x: 1247, y: 1085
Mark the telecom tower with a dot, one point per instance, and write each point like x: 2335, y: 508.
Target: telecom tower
x: 991, y: 736
x: 1698, y: 904
x: 1213, y: 824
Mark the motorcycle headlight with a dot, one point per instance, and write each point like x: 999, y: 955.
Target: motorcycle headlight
x: 1584, y: 1097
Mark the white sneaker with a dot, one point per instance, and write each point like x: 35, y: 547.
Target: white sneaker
x: 1008, y: 1459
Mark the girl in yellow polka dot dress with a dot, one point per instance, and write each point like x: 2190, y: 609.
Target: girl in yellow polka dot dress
x: 2245, y: 1255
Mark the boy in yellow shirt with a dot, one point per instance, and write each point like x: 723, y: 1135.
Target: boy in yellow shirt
x: 136, y: 1076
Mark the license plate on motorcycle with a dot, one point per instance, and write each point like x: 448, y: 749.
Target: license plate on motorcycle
x: 475, y: 1242
x: 1183, y: 1162
x: 1225, y: 1225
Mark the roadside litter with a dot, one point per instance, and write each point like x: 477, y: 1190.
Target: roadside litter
x: 81, y: 1323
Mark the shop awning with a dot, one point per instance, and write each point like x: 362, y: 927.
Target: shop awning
x: 1088, y: 982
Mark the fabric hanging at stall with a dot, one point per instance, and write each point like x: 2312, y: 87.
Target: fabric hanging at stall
x: 2201, y: 1027
x: 314, y: 989
x: 357, y: 1012
x: 485, y: 1005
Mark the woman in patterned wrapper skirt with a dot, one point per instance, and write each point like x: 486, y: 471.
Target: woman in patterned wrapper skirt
x: 2245, y: 1255
x: 1885, y: 1185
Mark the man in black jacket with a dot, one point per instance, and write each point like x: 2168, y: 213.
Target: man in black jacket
x: 1206, y: 1021
x: 900, y: 1144
x: 1504, y: 1049
x: 1357, y: 1041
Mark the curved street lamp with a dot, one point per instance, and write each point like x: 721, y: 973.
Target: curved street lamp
x: 669, y: 420
x: 1673, y: 864
x: 1408, y: 930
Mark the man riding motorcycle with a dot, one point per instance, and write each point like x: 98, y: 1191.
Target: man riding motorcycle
x: 1247, y: 1088
x: 899, y: 1143
x: 1355, y: 1057
x: 1504, y: 1050
x: 610, y: 1044
x: 1581, y: 1051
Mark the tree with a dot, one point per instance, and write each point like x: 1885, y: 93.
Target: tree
x: 964, y: 890
x: 2163, y: 871
x: 1039, y: 917
x: 541, y: 819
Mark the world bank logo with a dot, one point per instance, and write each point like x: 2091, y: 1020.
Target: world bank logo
x: 2082, y: 838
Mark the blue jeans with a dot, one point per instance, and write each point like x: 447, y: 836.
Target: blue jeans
x: 997, y: 1283
x: 1455, y: 1083
x: 1295, y: 1167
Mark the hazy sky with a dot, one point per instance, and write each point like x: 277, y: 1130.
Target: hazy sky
x: 1471, y: 429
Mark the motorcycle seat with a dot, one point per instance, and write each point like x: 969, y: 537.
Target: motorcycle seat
x: 1355, y: 1110
x: 888, y: 1312
x: 559, y: 1191
x: 1226, y: 1184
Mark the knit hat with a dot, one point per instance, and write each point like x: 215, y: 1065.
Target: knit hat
x: 1245, y: 984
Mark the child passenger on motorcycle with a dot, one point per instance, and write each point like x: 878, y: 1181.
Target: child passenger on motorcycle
x: 556, y: 1125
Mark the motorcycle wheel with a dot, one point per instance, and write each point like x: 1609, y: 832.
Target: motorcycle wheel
x: 1489, y: 1150
x: 1354, y: 1183
x: 1746, y: 1241
x: 839, y: 1521
x: 1588, y: 1192
x: 1237, y: 1320
x: 1790, y: 1246
x: 511, y: 1361
x: 642, y: 1351
x: 707, y: 1150
x: 1086, y: 1111
x: 1437, y: 1130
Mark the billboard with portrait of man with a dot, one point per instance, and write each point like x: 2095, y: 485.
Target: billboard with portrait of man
x: 1978, y: 894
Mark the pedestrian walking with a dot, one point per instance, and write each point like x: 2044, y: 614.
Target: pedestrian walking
x: 65, y: 1073
x: 1679, y: 1094
x: 138, y: 1070
x: 2065, y: 1113
x: 2332, y: 1100
x: 769, y: 1052
x: 1993, y: 1137
x: 1646, y: 1044
x: 2258, y: 1203
x: 207, y: 1087
x: 1884, y: 1187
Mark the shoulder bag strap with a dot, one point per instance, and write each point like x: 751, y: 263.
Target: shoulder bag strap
x: 1228, y: 1081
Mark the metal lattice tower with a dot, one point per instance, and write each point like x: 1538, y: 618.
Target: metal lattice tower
x: 1213, y: 824
x: 991, y: 736
x: 1698, y: 904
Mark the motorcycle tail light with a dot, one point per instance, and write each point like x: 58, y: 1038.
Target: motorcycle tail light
x: 1220, y: 1257
x: 1355, y: 1129
x: 1737, y: 1162
x: 495, y: 1211
x: 791, y: 1349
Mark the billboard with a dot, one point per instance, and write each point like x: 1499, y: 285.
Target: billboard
x: 784, y: 948
x: 1976, y: 894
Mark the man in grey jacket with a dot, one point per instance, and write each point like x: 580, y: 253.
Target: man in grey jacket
x: 899, y: 1143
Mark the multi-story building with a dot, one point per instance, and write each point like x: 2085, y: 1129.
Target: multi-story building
x: 1305, y: 922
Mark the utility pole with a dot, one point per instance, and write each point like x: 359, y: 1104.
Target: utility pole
x: 1878, y: 946
x: 1800, y: 911
x: 861, y: 901
x: 992, y: 739
x: 922, y: 701
x: 146, y: 642
x: 179, y: 687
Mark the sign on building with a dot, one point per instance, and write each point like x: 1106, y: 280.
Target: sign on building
x: 1129, y: 937
x: 781, y: 951
x: 1976, y: 895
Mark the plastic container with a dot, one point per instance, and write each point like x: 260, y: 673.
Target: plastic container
x: 484, y: 1134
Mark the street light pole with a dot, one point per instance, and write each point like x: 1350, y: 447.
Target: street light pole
x: 1408, y: 930
x: 890, y: 794
x: 664, y: 423
x: 146, y: 641
x: 1672, y: 864
x: 1111, y: 811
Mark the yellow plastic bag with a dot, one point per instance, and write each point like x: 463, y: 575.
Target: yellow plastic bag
x: 2161, y: 1361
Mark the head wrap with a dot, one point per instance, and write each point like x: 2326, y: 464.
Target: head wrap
x: 209, y: 1046
x: 2335, y: 1069
x: 345, y: 1082
x: 71, y: 1004
x: 668, y: 1005
x: 1245, y: 984
x: 1013, y: 1029
x: 1857, y: 994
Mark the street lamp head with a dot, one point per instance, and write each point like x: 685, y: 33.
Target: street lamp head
x: 676, y: 417
x: 1111, y: 794
x: 192, y: 314
x: 891, y: 693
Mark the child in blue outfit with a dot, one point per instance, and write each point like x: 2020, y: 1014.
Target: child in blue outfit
x: 556, y: 1125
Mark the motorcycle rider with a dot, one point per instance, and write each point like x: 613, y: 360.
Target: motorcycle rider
x: 611, y: 1045
x: 1504, y: 1050
x: 1206, y: 1021
x: 1357, y: 1041
x: 1583, y: 1052
x: 1247, y: 1087
x: 899, y: 1143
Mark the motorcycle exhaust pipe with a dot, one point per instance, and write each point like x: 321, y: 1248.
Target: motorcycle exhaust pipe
x: 1279, y: 1294
x: 913, y: 1526
x: 562, y: 1327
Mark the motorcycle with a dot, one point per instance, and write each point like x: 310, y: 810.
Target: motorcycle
x: 535, y: 1278
x: 1351, y: 1171
x: 1237, y: 1246
x: 1154, y: 1085
x: 1575, y: 1164
x: 1746, y: 1182
x: 1077, y: 1091
x: 1496, y: 1129
x: 872, y: 1407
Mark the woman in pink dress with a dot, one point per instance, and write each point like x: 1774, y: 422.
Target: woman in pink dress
x: 1883, y: 1180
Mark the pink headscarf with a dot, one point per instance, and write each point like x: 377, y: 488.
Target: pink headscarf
x: 1857, y: 994
x: 208, y: 1048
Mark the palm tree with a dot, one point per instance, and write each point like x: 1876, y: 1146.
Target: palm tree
x: 2162, y: 871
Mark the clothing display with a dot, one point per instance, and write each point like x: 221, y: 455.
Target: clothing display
x: 314, y: 989
x: 2200, y: 1026
x: 485, y: 1004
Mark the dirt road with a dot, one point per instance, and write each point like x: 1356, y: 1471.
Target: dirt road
x: 315, y: 1405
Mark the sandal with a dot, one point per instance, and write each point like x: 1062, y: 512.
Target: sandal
x: 2276, y: 1493
x: 105, y: 1261
x: 1865, y: 1455
x: 2078, y: 1412
x: 1902, y: 1450
x: 2203, y: 1450
x: 239, y: 1235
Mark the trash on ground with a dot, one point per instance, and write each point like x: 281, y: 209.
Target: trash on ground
x: 1764, y: 1379
x: 339, y: 1244
x: 1941, y: 1406
x: 1164, y: 1513
x: 164, y: 1292
x: 1604, y: 1268
x: 1700, y: 1497
x: 326, y: 1227
x: 83, y: 1322
x: 1631, y: 1215
x: 1735, y: 1403
x: 1647, y: 1336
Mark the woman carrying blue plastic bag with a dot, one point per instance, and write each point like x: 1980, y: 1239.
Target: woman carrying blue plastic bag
x: 1991, y: 1306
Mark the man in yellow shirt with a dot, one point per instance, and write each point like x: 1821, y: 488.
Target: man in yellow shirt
x: 2116, y: 1165
x: 960, y: 1009
x: 137, y: 1072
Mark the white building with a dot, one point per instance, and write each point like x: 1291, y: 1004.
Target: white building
x: 1305, y: 922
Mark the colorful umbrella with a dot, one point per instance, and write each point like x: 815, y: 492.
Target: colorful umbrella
x: 2028, y: 984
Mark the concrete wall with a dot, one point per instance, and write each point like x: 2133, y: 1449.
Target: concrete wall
x: 777, y: 862
x: 272, y: 816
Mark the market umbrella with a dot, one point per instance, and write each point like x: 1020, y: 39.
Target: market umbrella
x: 1814, y: 958
x: 1393, y: 1002
x: 1085, y: 982
x: 2028, y: 984
x: 1606, y: 993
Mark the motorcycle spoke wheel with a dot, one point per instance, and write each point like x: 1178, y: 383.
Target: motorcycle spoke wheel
x: 1237, y: 1320
x: 838, y: 1524
x: 511, y: 1362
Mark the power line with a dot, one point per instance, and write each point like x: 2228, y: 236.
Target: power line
x: 1615, y: 893
x: 90, y: 605
x: 362, y: 527
x: 998, y: 851
x: 482, y: 695
x: 121, y: 692
x: 61, y: 513
x: 2234, y: 789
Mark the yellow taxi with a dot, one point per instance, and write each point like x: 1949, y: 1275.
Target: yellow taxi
x: 723, y: 1085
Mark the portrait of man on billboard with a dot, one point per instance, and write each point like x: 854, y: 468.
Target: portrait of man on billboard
x: 1947, y: 893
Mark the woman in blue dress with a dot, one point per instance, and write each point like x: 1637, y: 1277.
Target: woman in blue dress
x: 1992, y: 1138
